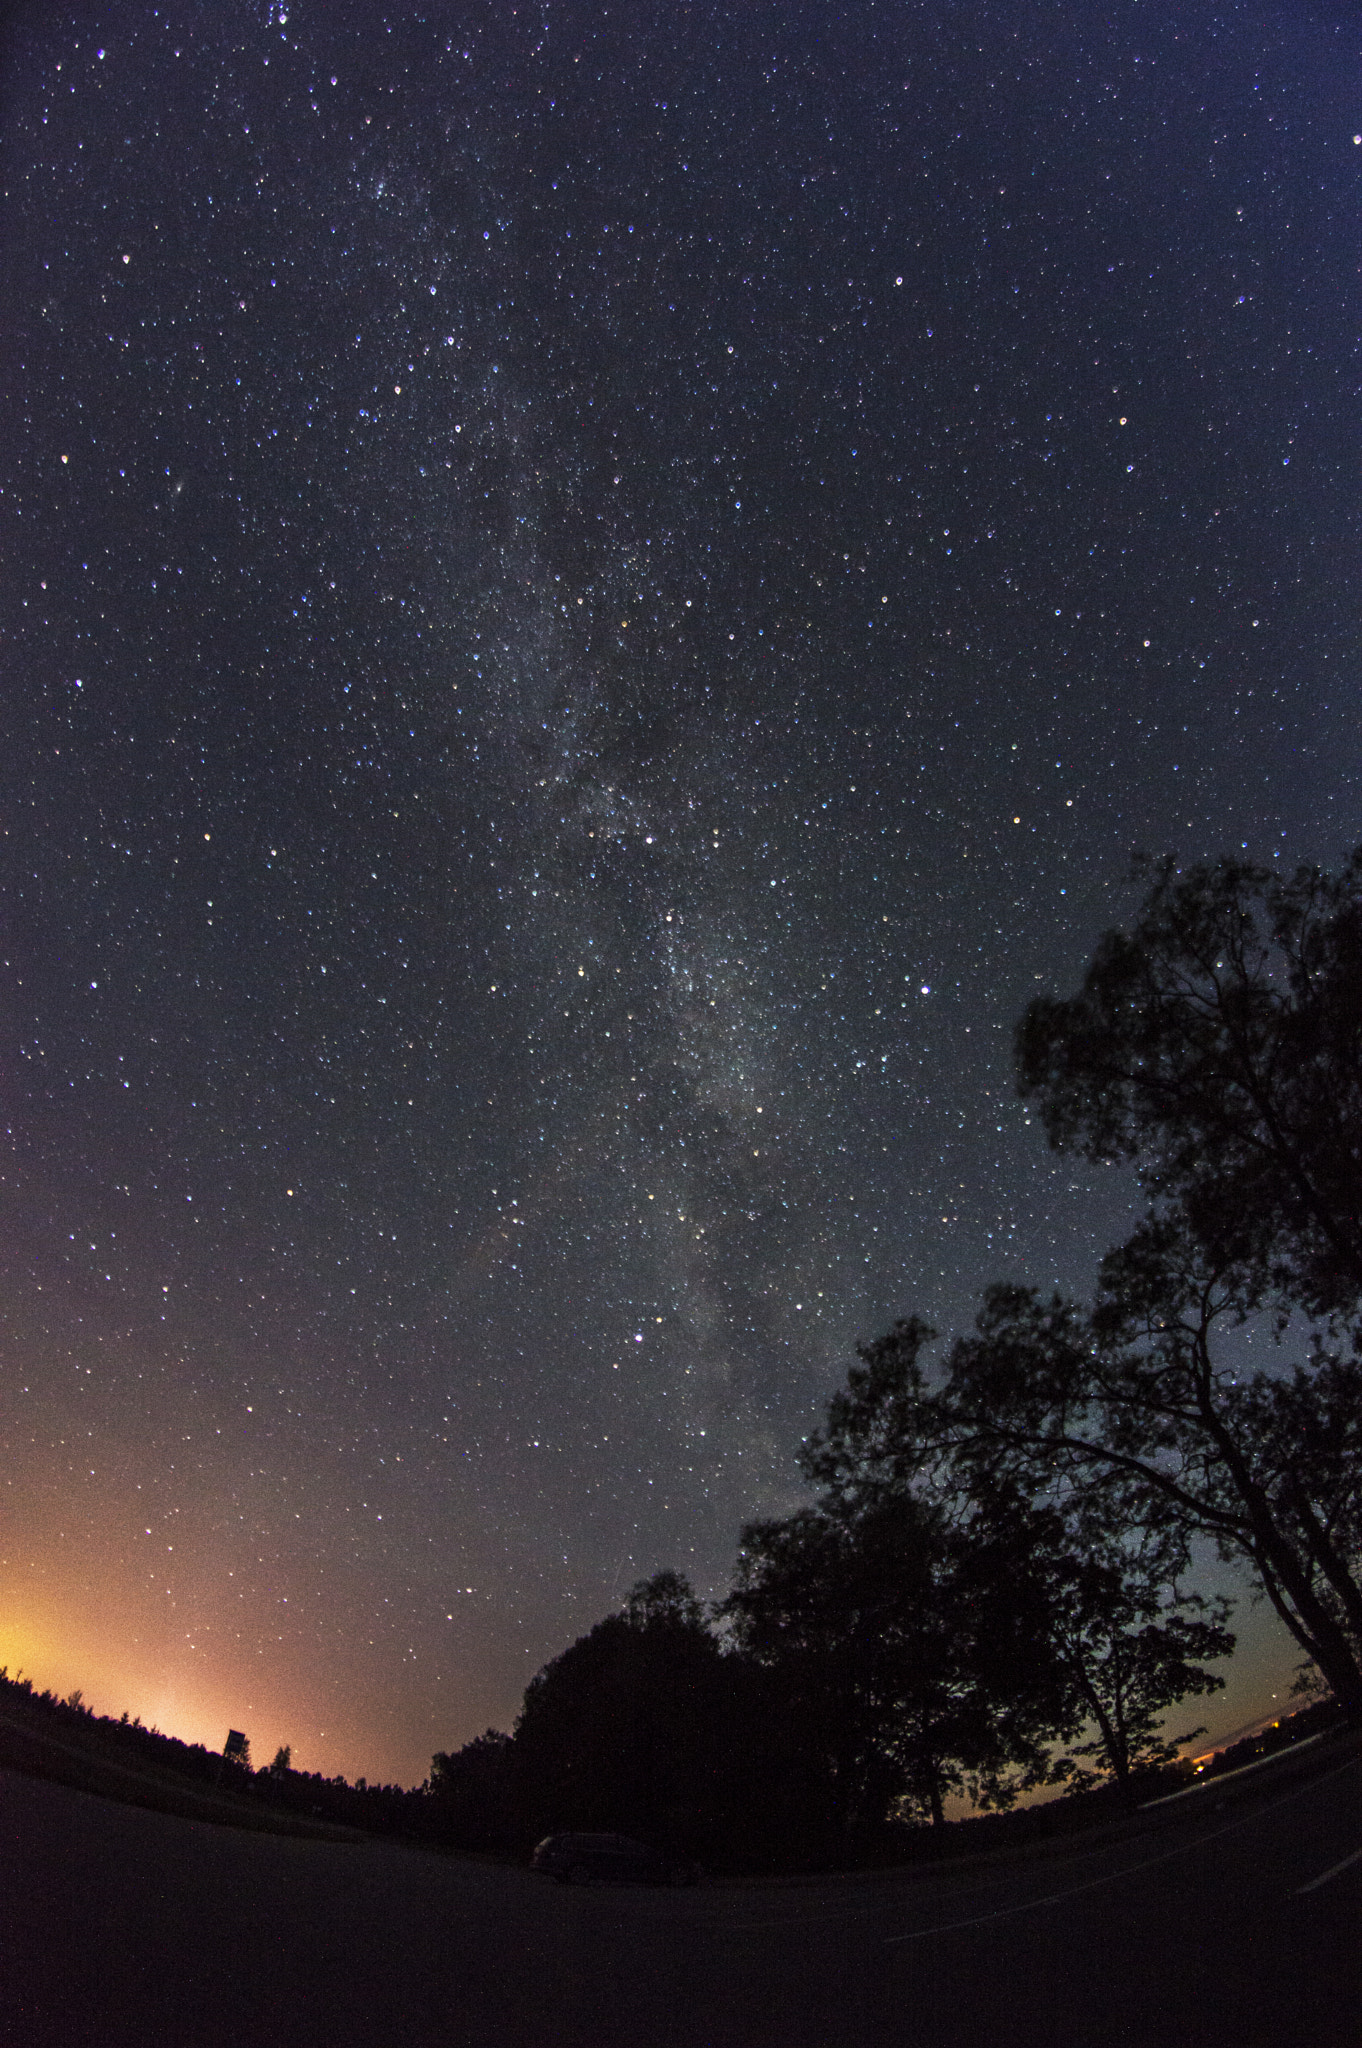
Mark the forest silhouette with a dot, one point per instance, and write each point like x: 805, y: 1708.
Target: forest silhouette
x: 987, y: 1594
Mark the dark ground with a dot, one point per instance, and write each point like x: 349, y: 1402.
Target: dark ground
x: 128, y: 1929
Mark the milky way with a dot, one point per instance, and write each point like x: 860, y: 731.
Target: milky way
x: 593, y: 600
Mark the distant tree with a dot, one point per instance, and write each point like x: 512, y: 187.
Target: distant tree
x: 802, y: 1608
x: 484, y: 1751
x: 283, y: 1757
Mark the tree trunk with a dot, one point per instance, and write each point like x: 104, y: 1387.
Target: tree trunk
x: 1113, y: 1741
x: 1277, y: 1558
x: 1325, y: 1555
x: 1327, y: 1646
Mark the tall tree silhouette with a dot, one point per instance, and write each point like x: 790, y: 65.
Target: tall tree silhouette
x: 1218, y: 1045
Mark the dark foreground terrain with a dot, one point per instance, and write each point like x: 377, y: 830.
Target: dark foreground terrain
x: 1213, y: 1917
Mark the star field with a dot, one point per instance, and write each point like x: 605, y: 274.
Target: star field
x: 593, y: 599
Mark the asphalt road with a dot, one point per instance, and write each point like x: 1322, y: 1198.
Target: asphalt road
x: 1217, y: 1921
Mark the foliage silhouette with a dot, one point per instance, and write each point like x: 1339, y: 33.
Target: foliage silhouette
x: 1106, y: 1604
x: 474, y: 1794
x: 884, y: 1637
x: 1044, y: 1618
x: 994, y: 1558
x: 635, y: 1727
x: 1218, y: 1044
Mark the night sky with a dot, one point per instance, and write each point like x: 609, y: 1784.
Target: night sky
x: 593, y: 598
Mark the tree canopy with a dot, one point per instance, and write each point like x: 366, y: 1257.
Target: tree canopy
x: 1218, y: 1043
x: 995, y: 1560
x: 635, y: 1726
x: 1057, y: 1608
x: 907, y: 1673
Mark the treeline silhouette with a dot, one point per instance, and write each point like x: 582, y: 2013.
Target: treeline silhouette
x: 130, y: 1746
x: 485, y: 1800
x: 986, y: 1594
x: 646, y: 1726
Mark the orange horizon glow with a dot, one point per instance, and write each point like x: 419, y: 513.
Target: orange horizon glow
x: 196, y: 1703
x: 179, y: 1609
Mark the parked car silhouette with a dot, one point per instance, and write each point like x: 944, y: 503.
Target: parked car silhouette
x: 580, y: 1859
